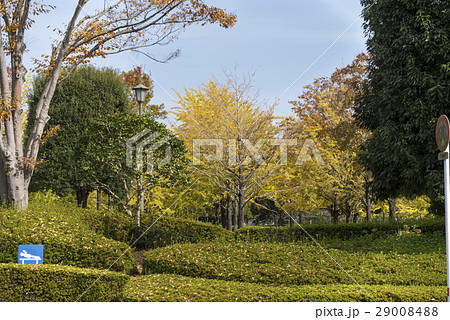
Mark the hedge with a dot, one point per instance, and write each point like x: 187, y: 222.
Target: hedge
x: 39, y: 283
x: 66, y: 237
x: 110, y: 224
x: 176, y: 288
x: 341, y: 230
x: 406, y: 243
x: 294, y: 264
x: 166, y: 231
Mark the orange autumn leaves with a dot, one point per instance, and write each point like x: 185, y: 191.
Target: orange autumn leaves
x: 124, y: 25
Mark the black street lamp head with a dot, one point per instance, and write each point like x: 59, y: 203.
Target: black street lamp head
x: 140, y: 91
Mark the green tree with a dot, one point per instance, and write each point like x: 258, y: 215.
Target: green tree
x: 82, y: 98
x: 108, y: 155
x: 408, y: 89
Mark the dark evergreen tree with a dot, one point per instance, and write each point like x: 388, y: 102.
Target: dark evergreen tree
x: 83, y: 97
x: 408, y: 89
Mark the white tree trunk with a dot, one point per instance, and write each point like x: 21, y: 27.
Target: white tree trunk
x: 3, y: 185
x: 17, y: 187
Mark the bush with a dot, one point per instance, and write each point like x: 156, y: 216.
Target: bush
x: 67, y: 238
x: 58, y: 283
x: 293, y: 264
x: 168, y: 287
x: 110, y: 224
x: 341, y: 231
x: 167, y: 231
x: 404, y: 243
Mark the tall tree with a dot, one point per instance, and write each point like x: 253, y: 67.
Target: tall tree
x: 227, y: 131
x: 408, y: 89
x: 83, y: 97
x: 135, y: 77
x: 324, y: 113
x: 158, y: 157
x: 121, y: 25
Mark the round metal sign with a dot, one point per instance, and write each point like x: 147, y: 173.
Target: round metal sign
x: 442, y: 132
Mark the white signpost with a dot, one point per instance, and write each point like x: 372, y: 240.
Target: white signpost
x: 442, y: 139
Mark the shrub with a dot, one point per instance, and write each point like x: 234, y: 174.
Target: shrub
x: 167, y: 231
x: 293, y: 264
x: 406, y: 243
x: 341, y: 231
x: 67, y: 238
x: 168, y: 287
x: 58, y: 283
x: 110, y: 224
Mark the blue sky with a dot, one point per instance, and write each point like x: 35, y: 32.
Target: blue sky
x: 278, y: 40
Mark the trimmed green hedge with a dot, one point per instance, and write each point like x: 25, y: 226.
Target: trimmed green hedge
x: 67, y: 238
x: 294, y: 264
x: 168, y: 287
x: 341, y: 231
x: 167, y: 231
x: 407, y: 243
x: 110, y: 224
x: 58, y: 283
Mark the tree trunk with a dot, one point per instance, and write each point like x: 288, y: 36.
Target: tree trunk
x: 292, y: 220
x: 3, y: 186
x: 392, y: 208
x: 280, y: 219
x: 218, y: 218
x: 223, y: 213
x: 85, y: 199
x: 82, y: 196
x: 99, y: 199
x: 355, y: 217
x: 229, y: 213
x: 18, y: 189
x: 110, y: 204
x: 368, y: 206
x: 241, y: 207
x: 335, y: 212
x: 348, y: 215
x: 236, y: 213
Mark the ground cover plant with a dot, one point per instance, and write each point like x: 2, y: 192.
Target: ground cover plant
x: 169, y: 287
x: 296, y: 264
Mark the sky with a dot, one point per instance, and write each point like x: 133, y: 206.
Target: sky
x: 286, y: 43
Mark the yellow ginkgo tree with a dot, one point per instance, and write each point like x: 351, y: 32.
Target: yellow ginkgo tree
x: 231, y: 137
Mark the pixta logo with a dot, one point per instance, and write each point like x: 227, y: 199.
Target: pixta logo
x: 254, y: 151
x: 145, y: 143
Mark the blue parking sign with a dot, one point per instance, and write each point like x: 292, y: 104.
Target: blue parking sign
x: 30, y: 254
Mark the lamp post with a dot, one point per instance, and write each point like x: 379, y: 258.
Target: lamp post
x: 140, y: 90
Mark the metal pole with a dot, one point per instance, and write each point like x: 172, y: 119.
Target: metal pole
x: 141, y: 204
x: 447, y: 218
x: 140, y: 108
